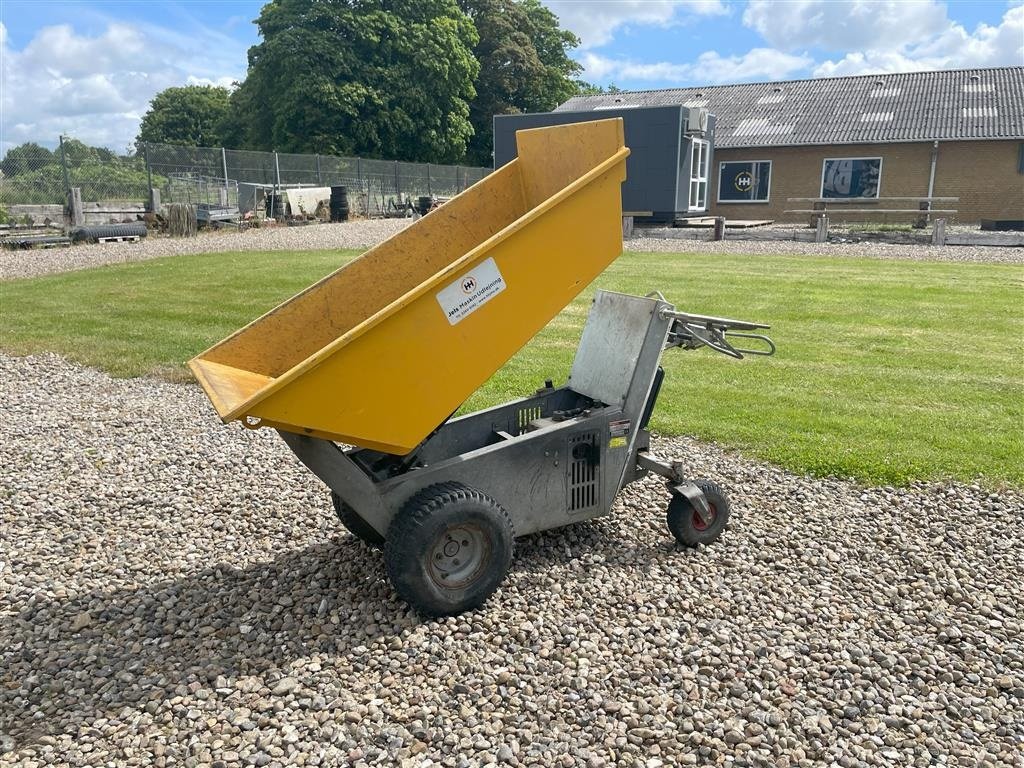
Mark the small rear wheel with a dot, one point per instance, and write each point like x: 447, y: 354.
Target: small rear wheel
x: 448, y: 549
x: 355, y: 524
x: 686, y: 524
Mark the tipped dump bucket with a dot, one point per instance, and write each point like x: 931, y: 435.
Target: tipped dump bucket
x: 382, y: 351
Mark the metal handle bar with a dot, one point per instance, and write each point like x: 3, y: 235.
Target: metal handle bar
x: 693, y: 331
x: 708, y: 321
x: 768, y: 352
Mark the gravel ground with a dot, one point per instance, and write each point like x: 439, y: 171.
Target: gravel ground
x: 176, y: 592
x: 902, y: 251
x: 354, y: 234
x: 365, y: 233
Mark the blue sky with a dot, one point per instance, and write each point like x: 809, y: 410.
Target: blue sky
x: 89, y: 69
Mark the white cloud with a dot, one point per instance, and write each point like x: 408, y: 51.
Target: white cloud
x: 709, y: 67
x: 96, y: 88
x: 845, y: 25
x: 954, y: 47
x: 886, y: 35
x: 596, y: 21
x: 987, y: 46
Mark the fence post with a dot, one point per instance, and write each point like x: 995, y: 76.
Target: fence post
x: 277, y: 189
x: 64, y: 162
x: 429, y: 191
x: 75, y: 203
x: 151, y: 200
x: 67, y: 179
x: 319, y: 178
x: 627, y: 227
x: 821, y: 233
x: 816, y: 216
x: 224, y: 162
x: 398, y: 188
x: 939, y: 232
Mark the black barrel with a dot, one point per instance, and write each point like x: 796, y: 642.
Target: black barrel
x: 424, y: 204
x: 339, y: 203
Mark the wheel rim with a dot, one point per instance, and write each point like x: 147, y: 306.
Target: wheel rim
x: 458, y: 556
x: 700, y: 525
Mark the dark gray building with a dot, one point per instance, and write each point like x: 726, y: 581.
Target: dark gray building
x: 671, y: 154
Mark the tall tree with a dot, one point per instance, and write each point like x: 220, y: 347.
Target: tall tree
x: 25, y: 158
x: 190, y: 116
x: 379, y: 78
x: 524, y: 65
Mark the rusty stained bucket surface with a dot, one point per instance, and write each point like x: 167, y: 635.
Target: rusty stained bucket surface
x: 380, y: 352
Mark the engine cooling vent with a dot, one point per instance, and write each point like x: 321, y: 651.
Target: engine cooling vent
x: 584, y: 472
x: 526, y: 415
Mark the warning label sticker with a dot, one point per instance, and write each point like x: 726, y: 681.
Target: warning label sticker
x: 471, y: 291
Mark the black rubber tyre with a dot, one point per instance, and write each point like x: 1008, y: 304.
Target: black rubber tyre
x: 358, y: 527
x: 448, y: 549
x: 686, y: 525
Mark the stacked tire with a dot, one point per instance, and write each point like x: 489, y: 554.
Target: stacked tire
x: 339, y: 203
x: 275, y: 206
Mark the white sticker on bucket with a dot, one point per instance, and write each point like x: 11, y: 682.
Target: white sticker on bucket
x: 471, y: 291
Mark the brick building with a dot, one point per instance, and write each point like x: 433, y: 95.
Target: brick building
x: 957, y: 133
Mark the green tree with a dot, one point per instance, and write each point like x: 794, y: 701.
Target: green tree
x: 379, y: 78
x: 587, y: 89
x: 524, y: 65
x: 34, y: 176
x: 25, y: 158
x: 189, y: 116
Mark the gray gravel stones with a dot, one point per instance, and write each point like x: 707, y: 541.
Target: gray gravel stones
x: 366, y: 233
x: 901, y: 252
x: 352, y: 234
x: 231, y: 622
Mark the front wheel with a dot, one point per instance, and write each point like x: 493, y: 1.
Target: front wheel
x: 448, y: 549
x: 688, y: 527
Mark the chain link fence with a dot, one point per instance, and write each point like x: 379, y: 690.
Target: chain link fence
x: 242, y: 180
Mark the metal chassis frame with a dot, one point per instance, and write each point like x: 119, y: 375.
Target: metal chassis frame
x: 545, y: 473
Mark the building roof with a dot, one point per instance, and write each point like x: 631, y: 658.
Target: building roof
x: 950, y: 105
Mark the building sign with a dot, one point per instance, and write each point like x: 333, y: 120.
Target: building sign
x: 744, y: 182
x: 471, y: 291
x: 851, y: 177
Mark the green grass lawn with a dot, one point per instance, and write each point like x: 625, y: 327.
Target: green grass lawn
x: 887, y: 371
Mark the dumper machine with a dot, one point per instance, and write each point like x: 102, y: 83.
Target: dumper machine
x: 362, y: 373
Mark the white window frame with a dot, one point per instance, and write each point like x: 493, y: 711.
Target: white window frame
x: 824, y: 163
x: 718, y: 188
x: 700, y: 151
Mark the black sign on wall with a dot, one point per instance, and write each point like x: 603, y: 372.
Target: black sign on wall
x: 744, y: 182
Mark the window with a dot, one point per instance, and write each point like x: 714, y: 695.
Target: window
x: 699, y: 175
x: 1020, y: 159
x: 744, y: 182
x: 851, y: 177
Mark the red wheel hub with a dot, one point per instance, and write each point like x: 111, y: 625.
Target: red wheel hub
x: 700, y: 525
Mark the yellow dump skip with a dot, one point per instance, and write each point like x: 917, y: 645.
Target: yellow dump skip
x: 380, y: 352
